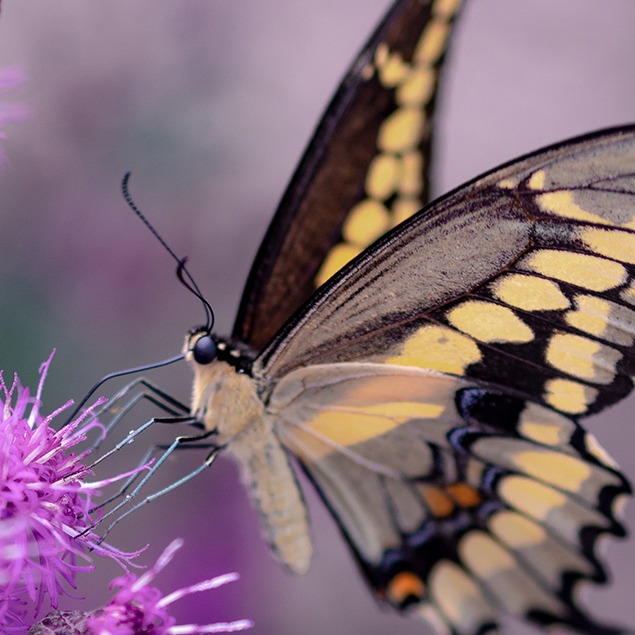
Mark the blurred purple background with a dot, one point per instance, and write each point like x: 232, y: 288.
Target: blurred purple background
x: 210, y: 103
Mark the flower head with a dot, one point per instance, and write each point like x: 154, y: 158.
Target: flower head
x: 138, y: 608
x: 44, y: 504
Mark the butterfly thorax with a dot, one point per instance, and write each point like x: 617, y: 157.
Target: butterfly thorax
x: 225, y: 400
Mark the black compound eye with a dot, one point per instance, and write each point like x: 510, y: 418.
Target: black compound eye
x: 205, y: 350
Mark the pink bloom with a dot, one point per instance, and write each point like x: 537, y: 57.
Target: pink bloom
x: 138, y: 607
x: 44, y: 507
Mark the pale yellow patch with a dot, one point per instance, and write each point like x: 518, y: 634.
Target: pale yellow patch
x: 589, y: 272
x: 366, y: 222
x: 382, y: 176
x: 382, y: 52
x: 530, y: 497
x: 483, y: 555
x: 619, y: 245
x: 401, y: 131
x: 418, y: 87
x: 438, y: 348
x: 446, y: 8
x: 393, y: 71
x: 545, y: 433
x: 340, y: 255
x: 507, y: 184
x: 590, y: 315
x: 563, y: 471
x: 432, y: 41
x: 563, y: 204
x: 530, y: 293
x: 488, y: 322
x: 449, y: 583
x: 410, y: 183
x: 348, y: 428
x: 610, y: 321
x: 515, y: 530
x: 569, y: 396
x: 628, y: 293
x: 537, y: 180
x: 404, y: 208
x: 582, y: 357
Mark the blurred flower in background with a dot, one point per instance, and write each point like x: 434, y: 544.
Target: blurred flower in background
x: 137, y: 607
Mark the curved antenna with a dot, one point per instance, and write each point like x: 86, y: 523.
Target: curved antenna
x: 121, y: 373
x: 182, y: 271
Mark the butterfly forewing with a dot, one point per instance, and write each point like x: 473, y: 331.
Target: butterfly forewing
x: 363, y: 172
x: 522, y: 279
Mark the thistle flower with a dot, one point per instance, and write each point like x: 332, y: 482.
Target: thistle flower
x: 45, y: 523
x: 138, y: 607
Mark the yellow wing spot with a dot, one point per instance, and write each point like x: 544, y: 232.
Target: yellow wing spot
x: 439, y: 504
x: 610, y: 321
x: 464, y: 495
x: 507, y: 184
x: 483, y: 555
x: 515, y: 530
x: 404, y: 208
x: 557, y: 469
x: 562, y: 203
x: 393, y: 71
x: 346, y: 428
x: 410, y: 183
x: 530, y: 293
x: 488, y: 322
x: 582, y: 357
x: 432, y: 42
x: 383, y: 175
x: 619, y: 245
x: 530, y: 497
x: 367, y: 221
x: 537, y: 180
x: 417, y: 88
x: 569, y: 396
x: 456, y: 594
x: 335, y: 260
x: 402, y: 130
x: 405, y: 587
x: 438, y: 348
x: 589, y: 272
x: 545, y: 433
x: 382, y: 53
x: 446, y: 8
x: 628, y: 293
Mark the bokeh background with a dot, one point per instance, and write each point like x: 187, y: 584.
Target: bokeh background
x: 210, y: 103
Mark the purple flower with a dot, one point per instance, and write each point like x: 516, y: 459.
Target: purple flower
x: 45, y: 523
x: 138, y: 608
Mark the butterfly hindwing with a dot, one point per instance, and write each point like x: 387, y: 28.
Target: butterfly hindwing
x: 460, y: 502
x: 364, y: 171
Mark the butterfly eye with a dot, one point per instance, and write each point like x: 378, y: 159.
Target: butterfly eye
x: 205, y: 350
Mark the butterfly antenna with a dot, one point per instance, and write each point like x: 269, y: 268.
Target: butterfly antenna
x: 182, y: 273
x: 121, y: 373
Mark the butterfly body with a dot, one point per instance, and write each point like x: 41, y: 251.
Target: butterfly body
x: 429, y: 381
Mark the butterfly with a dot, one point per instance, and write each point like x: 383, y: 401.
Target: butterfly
x: 427, y: 369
